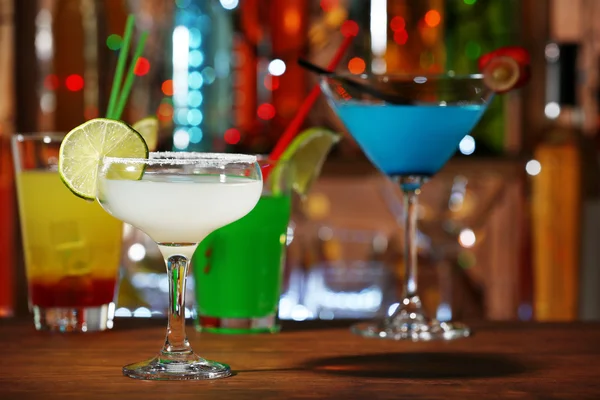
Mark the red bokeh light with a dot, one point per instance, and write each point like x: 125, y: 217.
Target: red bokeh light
x: 349, y: 28
x: 74, y: 82
x: 401, y: 37
x: 232, y: 136
x: 271, y: 82
x: 397, y: 24
x: 266, y: 111
x: 167, y: 87
x: 357, y: 65
x: 328, y: 5
x: 142, y: 66
x: 165, y: 112
x: 433, y: 18
x: 51, y: 82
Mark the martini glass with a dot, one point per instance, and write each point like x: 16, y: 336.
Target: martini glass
x: 408, y: 126
x: 178, y: 199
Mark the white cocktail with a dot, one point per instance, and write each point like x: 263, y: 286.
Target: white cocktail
x: 175, y: 209
x: 178, y: 199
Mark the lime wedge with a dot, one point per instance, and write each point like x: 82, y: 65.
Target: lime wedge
x: 84, y: 147
x: 148, y: 128
x: 306, y: 154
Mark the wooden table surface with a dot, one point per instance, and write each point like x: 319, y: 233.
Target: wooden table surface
x: 503, y: 360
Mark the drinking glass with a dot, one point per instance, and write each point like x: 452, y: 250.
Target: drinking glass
x: 420, y: 122
x: 72, y: 247
x: 238, y: 291
x: 178, y: 199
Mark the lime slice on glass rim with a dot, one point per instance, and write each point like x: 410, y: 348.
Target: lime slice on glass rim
x: 148, y: 128
x: 83, y: 148
x: 306, y: 154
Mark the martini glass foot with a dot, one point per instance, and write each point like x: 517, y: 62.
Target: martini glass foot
x: 415, y: 328
x: 189, y: 367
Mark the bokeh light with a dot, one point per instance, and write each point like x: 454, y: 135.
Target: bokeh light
x: 194, y: 117
x: 195, y: 38
x: 74, y: 82
x: 181, y: 116
x: 349, y: 28
x: 401, y: 37
x: 194, y: 99
x: 232, y: 136
x: 114, y: 41
x: 266, y: 111
x: 229, y: 4
x: 356, y: 65
x: 195, y: 134
x: 181, y: 139
x: 165, y: 112
x: 533, y: 167
x: 328, y: 5
x: 467, y: 238
x: 142, y: 66
x: 276, y: 67
x: 397, y: 23
x: 195, y: 80
x: 467, y: 145
x: 433, y: 18
x: 167, y: 87
x: 196, y: 58
x: 473, y: 50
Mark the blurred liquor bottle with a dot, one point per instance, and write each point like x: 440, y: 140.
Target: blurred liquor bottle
x: 69, y: 63
x: 565, y: 176
x: 7, y: 206
x: 265, y: 86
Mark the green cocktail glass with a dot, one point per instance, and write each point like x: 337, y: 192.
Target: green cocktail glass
x: 238, y: 269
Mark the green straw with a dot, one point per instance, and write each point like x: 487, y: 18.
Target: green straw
x: 120, y: 67
x: 130, y: 77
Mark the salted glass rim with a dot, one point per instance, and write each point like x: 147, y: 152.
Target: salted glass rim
x: 184, y: 158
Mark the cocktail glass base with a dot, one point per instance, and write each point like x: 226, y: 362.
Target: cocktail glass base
x: 410, y: 328
x: 73, y: 319
x: 185, y: 367
x: 267, y: 324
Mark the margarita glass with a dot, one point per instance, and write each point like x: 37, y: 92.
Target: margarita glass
x: 409, y: 126
x: 178, y: 199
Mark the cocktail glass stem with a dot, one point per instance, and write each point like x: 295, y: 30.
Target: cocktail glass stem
x: 410, y: 308
x: 409, y: 322
x: 176, y: 342
x: 177, y: 360
x: 411, y: 302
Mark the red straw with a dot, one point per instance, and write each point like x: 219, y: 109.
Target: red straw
x: 292, y: 129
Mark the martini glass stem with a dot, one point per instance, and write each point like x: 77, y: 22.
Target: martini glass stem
x: 176, y: 342
x: 410, y: 308
x: 411, y: 203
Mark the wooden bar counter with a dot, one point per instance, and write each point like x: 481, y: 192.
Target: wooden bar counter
x: 309, y: 361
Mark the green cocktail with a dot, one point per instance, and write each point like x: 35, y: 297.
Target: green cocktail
x: 238, y: 269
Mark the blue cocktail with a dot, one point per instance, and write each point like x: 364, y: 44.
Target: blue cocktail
x: 409, y: 127
x: 410, y: 140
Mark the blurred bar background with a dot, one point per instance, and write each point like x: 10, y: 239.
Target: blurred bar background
x: 509, y: 229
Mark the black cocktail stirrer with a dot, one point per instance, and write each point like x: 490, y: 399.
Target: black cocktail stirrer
x: 392, y: 99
